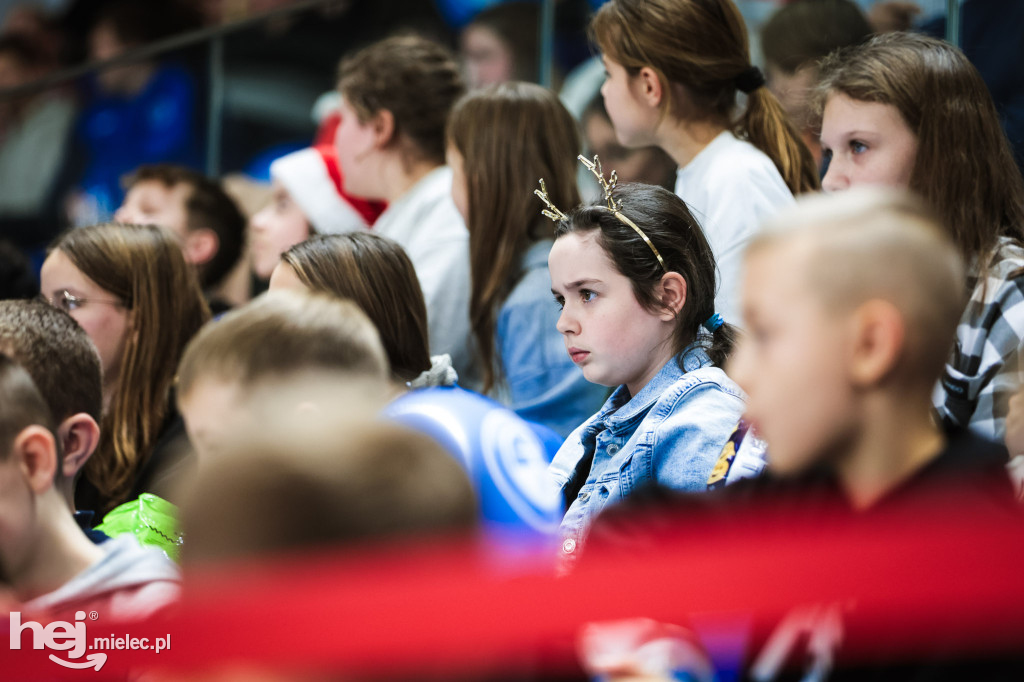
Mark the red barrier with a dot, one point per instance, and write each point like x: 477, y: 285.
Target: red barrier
x: 954, y: 577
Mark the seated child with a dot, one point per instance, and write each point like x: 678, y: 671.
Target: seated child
x: 333, y: 483
x: 635, y: 278
x: 842, y: 354
x: 912, y: 112
x: 289, y: 351
x: 231, y: 366
x: 204, y: 219
x: 307, y: 198
x: 375, y: 273
x: 65, y: 367
x: 131, y: 290
x: 50, y: 565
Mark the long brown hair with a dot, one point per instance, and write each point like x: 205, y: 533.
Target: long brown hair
x: 964, y: 167
x: 377, y: 275
x: 702, y: 46
x: 509, y: 135
x: 678, y: 237
x: 142, y: 266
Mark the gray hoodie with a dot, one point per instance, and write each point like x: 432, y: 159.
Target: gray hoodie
x: 130, y: 582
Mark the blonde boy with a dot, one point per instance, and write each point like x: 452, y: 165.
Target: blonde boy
x: 852, y: 303
x: 278, y: 353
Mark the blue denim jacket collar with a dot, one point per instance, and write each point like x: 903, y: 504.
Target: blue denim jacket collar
x: 626, y: 410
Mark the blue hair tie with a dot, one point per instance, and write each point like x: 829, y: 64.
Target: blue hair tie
x: 713, y: 323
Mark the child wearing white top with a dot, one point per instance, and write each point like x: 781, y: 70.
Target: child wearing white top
x: 391, y: 147
x: 674, y: 68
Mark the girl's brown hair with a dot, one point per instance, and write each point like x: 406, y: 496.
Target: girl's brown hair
x: 509, y: 135
x: 377, y: 275
x: 964, y: 167
x: 701, y: 45
x: 142, y: 266
x: 417, y: 80
x: 678, y: 237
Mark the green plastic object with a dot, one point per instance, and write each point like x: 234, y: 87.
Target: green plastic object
x: 151, y: 519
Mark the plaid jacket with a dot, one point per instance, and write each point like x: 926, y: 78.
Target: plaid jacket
x: 984, y: 369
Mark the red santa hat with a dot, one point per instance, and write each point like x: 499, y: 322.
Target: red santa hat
x: 313, y: 179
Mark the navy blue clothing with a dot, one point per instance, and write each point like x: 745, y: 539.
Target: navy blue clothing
x: 85, y: 520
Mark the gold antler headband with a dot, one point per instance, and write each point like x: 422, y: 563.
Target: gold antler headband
x: 551, y: 211
x: 616, y: 206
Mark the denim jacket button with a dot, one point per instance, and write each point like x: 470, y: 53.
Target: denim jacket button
x: 612, y: 449
x: 569, y: 546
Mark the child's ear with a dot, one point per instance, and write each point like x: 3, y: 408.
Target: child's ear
x: 651, y: 89
x: 36, y: 451
x: 201, y: 246
x: 673, y: 295
x: 79, y: 435
x: 879, y: 332
x: 383, y: 123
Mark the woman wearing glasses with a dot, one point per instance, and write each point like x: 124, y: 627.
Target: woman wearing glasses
x: 129, y: 287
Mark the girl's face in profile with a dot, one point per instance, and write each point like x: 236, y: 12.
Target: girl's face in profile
x: 103, y: 316
x: 613, y: 338
x: 280, y: 225
x: 487, y: 59
x: 633, y: 118
x: 865, y: 143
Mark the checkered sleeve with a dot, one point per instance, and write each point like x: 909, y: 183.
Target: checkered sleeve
x: 984, y: 369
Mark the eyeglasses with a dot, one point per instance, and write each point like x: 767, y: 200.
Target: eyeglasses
x: 67, y: 301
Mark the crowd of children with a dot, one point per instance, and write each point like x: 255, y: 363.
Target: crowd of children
x: 454, y: 342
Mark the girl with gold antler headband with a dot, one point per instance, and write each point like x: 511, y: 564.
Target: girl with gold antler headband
x: 635, y: 277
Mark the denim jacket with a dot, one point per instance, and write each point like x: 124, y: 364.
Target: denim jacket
x: 541, y: 382
x: 671, y: 433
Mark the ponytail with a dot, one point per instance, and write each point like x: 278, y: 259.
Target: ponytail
x: 702, y: 45
x: 722, y: 342
x: 766, y: 126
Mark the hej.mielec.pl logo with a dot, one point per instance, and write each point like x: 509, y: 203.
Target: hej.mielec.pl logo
x: 72, y: 638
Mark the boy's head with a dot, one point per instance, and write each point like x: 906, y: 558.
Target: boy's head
x: 796, y: 37
x: 65, y: 367
x: 28, y: 462
x: 851, y: 301
x: 317, y: 483
x: 267, y: 350
x: 206, y: 221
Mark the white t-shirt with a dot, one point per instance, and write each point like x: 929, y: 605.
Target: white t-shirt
x: 731, y: 187
x: 428, y: 226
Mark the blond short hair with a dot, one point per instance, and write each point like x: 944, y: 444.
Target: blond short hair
x: 285, y: 333
x: 874, y: 243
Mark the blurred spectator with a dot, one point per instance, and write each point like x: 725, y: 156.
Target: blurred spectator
x: 200, y: 215
x: 34, y: 131
x: 235, y: 374
x: 52, y: 567
x: 501, y: 44
x: 133, y: 293
x: 137, y: 113
x: 307, y: 198
x: 16, y: 277
x: 649, y: 165
x: 793, y: 40
x: 391, y: 147
x: 990, y: 36
x: 895, y: 15
x: 324, y: 483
